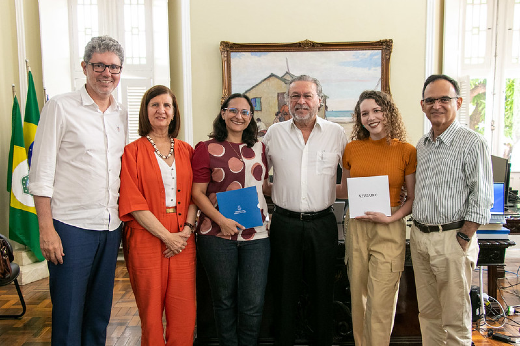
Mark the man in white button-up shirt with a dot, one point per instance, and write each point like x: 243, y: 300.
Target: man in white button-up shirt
x: 304, y: 153
x: 74, y: 178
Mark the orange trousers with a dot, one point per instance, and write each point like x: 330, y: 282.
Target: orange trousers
x: 162, y: 285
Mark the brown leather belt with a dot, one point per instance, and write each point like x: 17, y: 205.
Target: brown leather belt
x: 303, y: 216
x: 171, y: 210
x: 438, y: 228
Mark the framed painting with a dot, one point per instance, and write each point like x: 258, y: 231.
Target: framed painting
x: 263, y: 71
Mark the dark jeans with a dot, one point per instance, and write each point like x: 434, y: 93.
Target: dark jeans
x: 303, y: 250
x: 237, y: 274
x: 82, y: 287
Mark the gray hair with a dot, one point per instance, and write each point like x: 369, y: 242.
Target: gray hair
x: 306, y: 78
x: 102, y: 44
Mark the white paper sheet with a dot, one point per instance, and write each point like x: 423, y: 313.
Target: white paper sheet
x: 368, y: 194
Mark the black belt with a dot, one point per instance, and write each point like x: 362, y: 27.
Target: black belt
x: 438, y: 228
x: 303, y: 216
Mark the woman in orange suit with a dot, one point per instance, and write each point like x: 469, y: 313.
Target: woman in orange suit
x: 155, y: 204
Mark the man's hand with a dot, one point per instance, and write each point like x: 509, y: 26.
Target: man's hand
x: 463, y: 244
x: 50, y: 244
x: 469, y: 228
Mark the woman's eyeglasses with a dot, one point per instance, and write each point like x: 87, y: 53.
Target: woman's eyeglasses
x: 235, y: 111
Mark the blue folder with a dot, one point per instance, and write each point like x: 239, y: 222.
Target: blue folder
x: 241, y: 205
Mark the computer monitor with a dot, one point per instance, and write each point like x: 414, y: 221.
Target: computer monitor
x: 506, y: 183
x: 501, y: 172
x: 498, y: 198
x: 499, y: 165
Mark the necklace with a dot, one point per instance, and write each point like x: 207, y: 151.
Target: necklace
x: 236, y: 152
x: 165, y: 157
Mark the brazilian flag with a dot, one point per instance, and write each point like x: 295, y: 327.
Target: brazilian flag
x: 32, y: 117
x: 23, y: 223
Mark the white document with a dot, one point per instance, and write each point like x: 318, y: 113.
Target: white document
x: 368, y: 194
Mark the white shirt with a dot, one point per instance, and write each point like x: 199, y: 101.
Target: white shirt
x: 77, y: 160
x: 304, y: 174
x: 168, y: 174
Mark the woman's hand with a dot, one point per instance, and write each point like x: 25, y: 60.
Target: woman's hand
x: 376, y: 217
x: 186, y: 233
x: 175, y: 242
x: 230, y: 227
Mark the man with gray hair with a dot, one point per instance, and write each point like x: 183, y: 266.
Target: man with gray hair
x: 74, y: 178
x: 453, y: 197
x: 304, y: 153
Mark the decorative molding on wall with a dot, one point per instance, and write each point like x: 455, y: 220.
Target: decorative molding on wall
x: 186, y: 71
x: 22, y: 72
x: 430, y: 48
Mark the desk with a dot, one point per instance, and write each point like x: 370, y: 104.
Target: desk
x: 492, y: 254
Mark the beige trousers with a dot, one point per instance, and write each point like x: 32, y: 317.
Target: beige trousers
x: 443, y: 281
x: 374, y: 254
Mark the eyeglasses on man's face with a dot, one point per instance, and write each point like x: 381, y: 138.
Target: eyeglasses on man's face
x: 235, y: 111
x: 297, y: 97
x: 99, y: 67
x: 443, y: 100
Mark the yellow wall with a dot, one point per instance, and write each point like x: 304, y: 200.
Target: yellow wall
x: 403, y: 21
x: 9, y: 76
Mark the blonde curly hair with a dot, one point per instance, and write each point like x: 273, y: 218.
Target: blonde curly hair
x: 393, y: 125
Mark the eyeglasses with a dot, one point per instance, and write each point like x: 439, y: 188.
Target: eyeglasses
x: 444, y: 100
x: 235, y: 111
x: 297, y: 97
x: 99, y: 67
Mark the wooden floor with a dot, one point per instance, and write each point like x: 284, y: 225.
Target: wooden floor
x: 124, y: 328
x: 35, y: 326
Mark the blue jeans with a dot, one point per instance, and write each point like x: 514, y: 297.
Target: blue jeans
x: 237, y: 274
x: 82, y: 287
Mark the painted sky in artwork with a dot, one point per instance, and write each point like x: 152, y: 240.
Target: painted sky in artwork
x: 343, y: 74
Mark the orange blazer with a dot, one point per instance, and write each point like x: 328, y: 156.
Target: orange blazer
x: 142, y: 186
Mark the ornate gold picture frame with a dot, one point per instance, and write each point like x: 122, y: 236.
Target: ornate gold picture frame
x: 263, y: 70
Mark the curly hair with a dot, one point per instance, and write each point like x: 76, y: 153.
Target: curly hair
x: 220, y: 132
x: 393, y: 124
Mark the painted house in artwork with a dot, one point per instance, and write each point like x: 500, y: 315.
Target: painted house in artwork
x: 268, y: 97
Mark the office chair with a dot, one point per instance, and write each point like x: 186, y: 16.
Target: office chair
x: 13, y: 277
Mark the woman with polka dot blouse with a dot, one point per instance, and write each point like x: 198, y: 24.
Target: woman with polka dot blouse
x: 236, y: 259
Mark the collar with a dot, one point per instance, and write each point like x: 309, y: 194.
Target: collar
x: 318, y: 124
x: 447, y: 136
x: 87, y: 101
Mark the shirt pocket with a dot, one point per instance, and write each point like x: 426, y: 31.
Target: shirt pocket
x: 326, y: 163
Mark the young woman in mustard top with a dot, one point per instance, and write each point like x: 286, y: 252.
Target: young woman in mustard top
x: 375, y: 243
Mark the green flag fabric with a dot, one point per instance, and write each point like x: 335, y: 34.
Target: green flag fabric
x: 32, y: 117
x: 23, y: 223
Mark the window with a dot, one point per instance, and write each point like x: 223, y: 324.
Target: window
x: 486, y: 41
x: 257, y: 103
x: 141, y: 26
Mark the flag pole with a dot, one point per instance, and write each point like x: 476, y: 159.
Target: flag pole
x: 14, y: 91
x: 27, y: 67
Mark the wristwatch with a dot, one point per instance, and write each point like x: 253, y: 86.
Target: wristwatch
x: 463, y: 236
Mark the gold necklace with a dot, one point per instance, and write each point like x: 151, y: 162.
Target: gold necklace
x: 238, y: 155
x: 165, y: 157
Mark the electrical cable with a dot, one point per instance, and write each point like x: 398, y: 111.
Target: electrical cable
x: 487, y: 307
